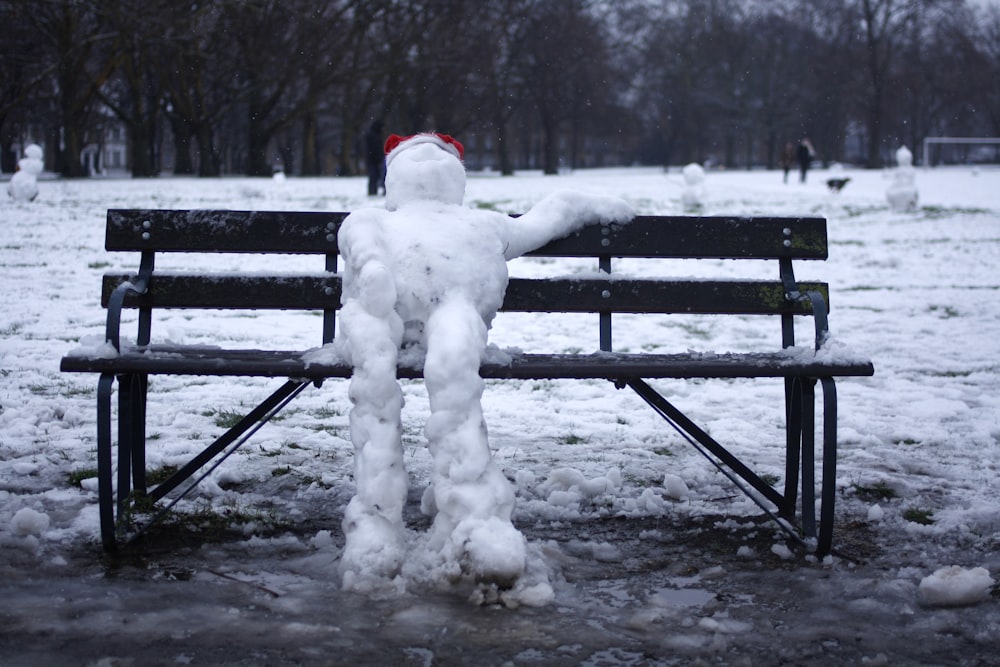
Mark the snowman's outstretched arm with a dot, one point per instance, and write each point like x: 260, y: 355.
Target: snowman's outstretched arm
x: 367, y: 277
x: 558, y: 215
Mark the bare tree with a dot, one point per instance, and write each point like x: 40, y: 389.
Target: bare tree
x: 79, y: 59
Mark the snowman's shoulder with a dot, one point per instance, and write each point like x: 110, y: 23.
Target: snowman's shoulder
x: 366, y: 215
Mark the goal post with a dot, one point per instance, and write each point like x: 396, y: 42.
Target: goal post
x: 928, y: 141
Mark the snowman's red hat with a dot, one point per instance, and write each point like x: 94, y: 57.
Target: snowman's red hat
x: 395, y: 144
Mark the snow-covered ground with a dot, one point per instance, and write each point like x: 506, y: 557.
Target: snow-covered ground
x: 653, y: 556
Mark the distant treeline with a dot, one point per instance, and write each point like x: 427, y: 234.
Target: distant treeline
x: 215, y: 87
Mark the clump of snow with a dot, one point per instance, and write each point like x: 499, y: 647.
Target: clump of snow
x: 902, y: 193
x: 426, y: 276
x: 782, y: 551
x: 875, y: 513
x: 956, y: 586
x: 674, y: 487
x: 27, y: 521
x: 94, y: 346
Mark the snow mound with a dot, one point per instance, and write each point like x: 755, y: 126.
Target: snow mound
x: 956, y: 586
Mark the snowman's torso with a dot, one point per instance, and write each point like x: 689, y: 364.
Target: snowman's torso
x: 439, y: 252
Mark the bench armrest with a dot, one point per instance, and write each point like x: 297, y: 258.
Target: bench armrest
x: 819, y: 308
x: 138, y: 285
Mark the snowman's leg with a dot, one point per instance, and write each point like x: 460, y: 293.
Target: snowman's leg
x: 474, y: 501
x: 373, y: 521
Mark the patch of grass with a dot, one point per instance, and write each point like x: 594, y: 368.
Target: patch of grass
x: 98, y: 265
x: 76, y: 476
x: 161, y: 474
x: 203, y: 522
x: 875, y: 492
x: 573, y: 439
x: 326, y: 413
x: 224, y: 418
x: 856, y: 211
x: 281, y: 471
x: 924, y: 517
x: 769, y: 478
x: 324, y: 428
x: 663, y: 451
x: 59, y: 388
x: 695, y: 331
x: 934, y: 212
x: 945, y: 312
x: 907, y: 441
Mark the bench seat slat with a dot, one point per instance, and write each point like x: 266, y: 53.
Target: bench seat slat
x: 564, y: 295
x: 197, y: 360
x: 316, y: 233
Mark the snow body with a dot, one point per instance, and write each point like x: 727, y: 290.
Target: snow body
x: 23, y: 184
x: 902, y: 193
x: 693, y: 196
x: 425, y: 277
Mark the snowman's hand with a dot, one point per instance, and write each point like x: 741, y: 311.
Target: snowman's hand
x: 376, y: 288
x: 604, y: 209
x: 560, y: 214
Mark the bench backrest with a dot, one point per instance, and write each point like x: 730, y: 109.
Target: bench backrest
x: 208, y: 231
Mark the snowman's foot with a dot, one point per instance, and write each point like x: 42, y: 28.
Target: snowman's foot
x: 495, y: 553
x: 374, y: 551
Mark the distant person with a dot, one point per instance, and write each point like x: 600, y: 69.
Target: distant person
x: 375, y: 159
x: 805, y: 154
x: 787, y: 159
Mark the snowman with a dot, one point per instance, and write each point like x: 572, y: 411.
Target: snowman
x: 423, y: 280
x: 693, y: 195
x: 23, y: 184
x: 902, y: 193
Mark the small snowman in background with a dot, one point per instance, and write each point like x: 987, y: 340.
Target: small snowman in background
x: 902, y: 193
x: 693, y: 196
x: 23, y: 184
x: 423, y: 279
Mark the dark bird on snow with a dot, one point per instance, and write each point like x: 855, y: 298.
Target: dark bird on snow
x: 836, y: 184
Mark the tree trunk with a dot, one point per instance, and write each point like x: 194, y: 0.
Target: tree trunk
x: 140, y: 150
x: 503, y: 152
x: 183, y: 137
x: 257, y: 163
x: 208, y: 159
x: 310, y: 154
x: 550, y: 147
x: 69, y: 156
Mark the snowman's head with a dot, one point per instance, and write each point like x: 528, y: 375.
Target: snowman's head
x: 34, y: 151
x: 423, y: 167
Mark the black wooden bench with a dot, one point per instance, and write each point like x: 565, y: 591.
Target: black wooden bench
x: 603, y: 293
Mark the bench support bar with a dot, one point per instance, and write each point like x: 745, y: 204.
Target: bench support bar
x: 132, y: 445
x: 800, y: 447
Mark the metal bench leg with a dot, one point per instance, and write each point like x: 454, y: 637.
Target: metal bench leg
x: 829, y: 491
x: 131, y: 436
x: 105, y: 490
x: 126, y: 417
x: 793, y: 444
x: 808, y: 457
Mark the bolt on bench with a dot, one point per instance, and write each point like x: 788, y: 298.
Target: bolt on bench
x: 150, y: 232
